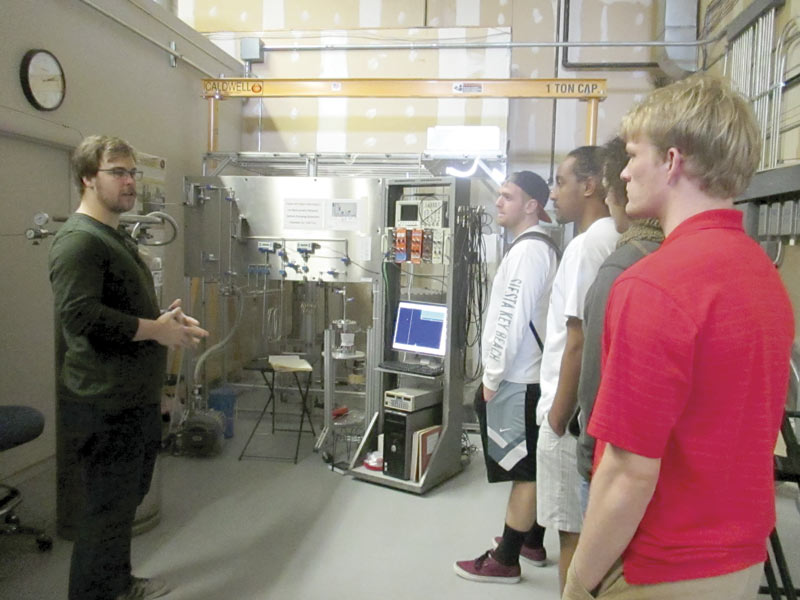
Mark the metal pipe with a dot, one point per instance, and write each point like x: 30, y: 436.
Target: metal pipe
x: 766, y: 51
x: 222, y: 343
x: 224, y: 311
x: 747, y: 74
x: 767, y: 82
x: 740, y: 67
x: 264, y: 301
x: 743, y: 66
x: 156, y: 217
x: 172, y: 29
x: 204, y: 302
x: 755, y: 73
x: 747, y: 60
x: 557, y: 52
x: 776, y: 120
x: 148, y: 219
x: 213, y: 123
x: 279, y: 312
x: 231, y: 235
x: 485, y: 45
x: 776, y: 98
x: 374, y: 354
x: 791, y: 81
x: 766, y: 62
x: 752, y: 59
x: 143, y: 35
x: 790, y: 31
x: 260, y: 125
x: 591, y: 121
x: 293, y: 239
x: 729, y: 72
x: 220, y: 233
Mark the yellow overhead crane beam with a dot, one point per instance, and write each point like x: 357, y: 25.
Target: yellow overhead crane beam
x: 582, y: 89
x: 590, y: 90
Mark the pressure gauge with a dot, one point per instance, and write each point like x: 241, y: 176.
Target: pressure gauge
x: 41, y: 219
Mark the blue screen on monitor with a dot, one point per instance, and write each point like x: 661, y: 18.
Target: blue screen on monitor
x: 421, y: 328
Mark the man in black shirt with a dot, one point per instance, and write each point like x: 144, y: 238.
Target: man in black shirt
x: 111, y: 344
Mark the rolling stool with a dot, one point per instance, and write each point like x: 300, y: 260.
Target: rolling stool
x: 19, y: 425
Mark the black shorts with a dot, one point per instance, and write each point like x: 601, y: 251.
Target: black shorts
x: 525, y: 469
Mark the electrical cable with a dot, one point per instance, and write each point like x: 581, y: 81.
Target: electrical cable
x: 41, y: 118
x: 360, y: 266
x: 385, y: 279
x: 349, y: 260
x: 474, y: 287
x: 440, y: 278
x: 467, y: 447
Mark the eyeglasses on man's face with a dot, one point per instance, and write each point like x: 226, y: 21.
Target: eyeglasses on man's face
x: 120, y: 173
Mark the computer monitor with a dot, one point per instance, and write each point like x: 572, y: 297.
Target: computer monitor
x: 421, y: 328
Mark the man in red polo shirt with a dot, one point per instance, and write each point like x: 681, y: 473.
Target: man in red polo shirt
x: 696, y: 351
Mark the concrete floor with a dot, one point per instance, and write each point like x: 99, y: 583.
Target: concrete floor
x: 258, y: 529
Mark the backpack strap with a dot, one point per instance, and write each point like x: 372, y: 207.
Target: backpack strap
x: 543, y: 237
x: 536, y: 335
x: 537, y: 235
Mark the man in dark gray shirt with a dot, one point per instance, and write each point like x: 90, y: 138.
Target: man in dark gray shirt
x: 639, y: 238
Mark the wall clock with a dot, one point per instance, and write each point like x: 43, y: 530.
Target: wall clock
x: 42, y: 79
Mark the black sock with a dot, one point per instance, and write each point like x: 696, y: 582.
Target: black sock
x: 507, y: 552
x: 535, y: 537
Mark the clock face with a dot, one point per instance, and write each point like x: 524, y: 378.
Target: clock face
x: 42, y: 79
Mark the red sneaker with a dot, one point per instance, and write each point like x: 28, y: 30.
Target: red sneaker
x: 145, y: 589
x: 535, y: 556
x: 485, y: 568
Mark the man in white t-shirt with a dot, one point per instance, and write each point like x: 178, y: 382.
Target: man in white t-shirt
x: 511, y: 355
x: 579, y: 198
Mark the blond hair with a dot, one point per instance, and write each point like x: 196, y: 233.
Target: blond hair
x: 92, y: 150
x: 713, y: 127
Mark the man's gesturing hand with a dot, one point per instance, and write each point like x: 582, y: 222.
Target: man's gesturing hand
x: 178, y: 329
x: 172, y: 328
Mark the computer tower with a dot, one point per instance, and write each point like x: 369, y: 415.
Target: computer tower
x: 398, y: 432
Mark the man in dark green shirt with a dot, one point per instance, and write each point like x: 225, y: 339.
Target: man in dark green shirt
x: 111, y: 344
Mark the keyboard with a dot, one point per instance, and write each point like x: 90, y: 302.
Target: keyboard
x: 413, y: 368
